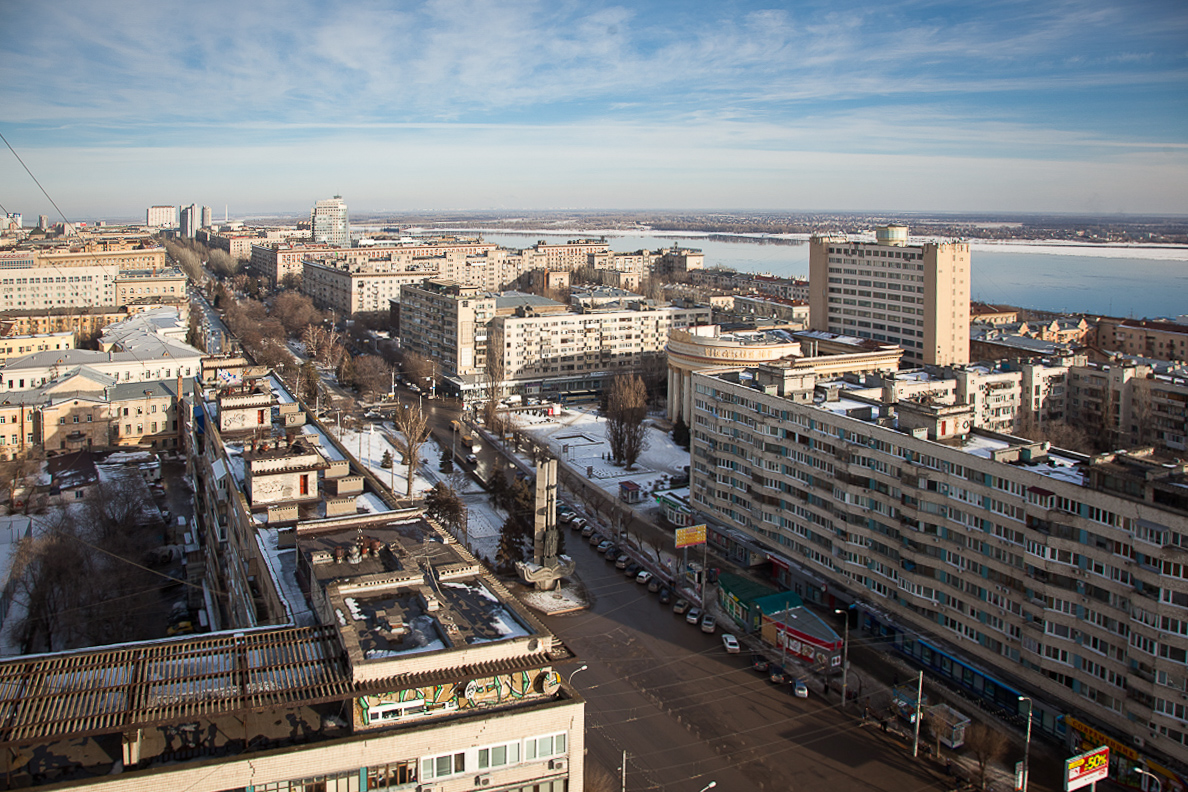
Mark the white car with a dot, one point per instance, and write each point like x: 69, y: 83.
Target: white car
x: 643, y: 577
x: 800, y: 689
x: 729, y: 643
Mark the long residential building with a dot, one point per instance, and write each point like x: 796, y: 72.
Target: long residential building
x: 916, y: 296
x: 40, y: 280
x: 1003, y: 566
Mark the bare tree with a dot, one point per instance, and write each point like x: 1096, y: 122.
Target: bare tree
x: 373, y: 375
x: 413, y: 426
x: 627, y: 402
x: 1058, y: 432
x: 987, y: 746
x: 295, y: 311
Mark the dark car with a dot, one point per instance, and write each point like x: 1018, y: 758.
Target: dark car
x: 777, y: 676
x: 654, y: 585
x: 632, y: 570
x: 760, y: 663
x: 612, y: 554
x: 665, y: 595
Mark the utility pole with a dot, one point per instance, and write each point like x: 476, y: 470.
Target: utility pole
x: 624, y: 782
x: 919, y: 703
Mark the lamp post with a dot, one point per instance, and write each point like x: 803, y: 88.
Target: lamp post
x: 710, y: 785
x: 574, y: 673
x: 845, y: 652
x: 1027, y: 744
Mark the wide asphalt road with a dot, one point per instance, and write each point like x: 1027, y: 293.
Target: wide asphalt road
x: 687, y: 713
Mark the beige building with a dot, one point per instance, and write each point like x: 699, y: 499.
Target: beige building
x: 1003, y: 566
x: 42, y: 280
x: 1142, y: 338
x: 1128, y: 403
x: 15, y: 346
x: 707, y: 348
x: 570, y: 255
x: 916, y: 296
x: 358, y: 288
x: 446, y: 322
x: 768, y: 306
x: 166, y: 286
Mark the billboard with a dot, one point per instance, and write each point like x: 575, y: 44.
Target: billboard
x: 1087, y: 768
x: 693, y: 535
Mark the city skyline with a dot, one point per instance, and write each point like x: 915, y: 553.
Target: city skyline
x: 474, y: 105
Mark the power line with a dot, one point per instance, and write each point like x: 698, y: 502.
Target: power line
x: 34, y: 178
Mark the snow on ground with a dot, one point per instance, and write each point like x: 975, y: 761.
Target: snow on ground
x: 369, y: 447
x: 578, y: 437
x: 565, y: 598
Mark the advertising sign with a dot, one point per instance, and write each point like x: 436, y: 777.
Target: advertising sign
x: 1087, y: 768
x: 693, y: 535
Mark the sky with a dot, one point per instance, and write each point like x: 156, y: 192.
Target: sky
x: 1051, y: 106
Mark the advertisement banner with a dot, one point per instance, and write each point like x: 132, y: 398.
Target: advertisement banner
x: 693, y: 535
x: 1087, y: 768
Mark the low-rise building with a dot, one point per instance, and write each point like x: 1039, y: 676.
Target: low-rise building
x: 1144, y: 338
x: 14, y: 346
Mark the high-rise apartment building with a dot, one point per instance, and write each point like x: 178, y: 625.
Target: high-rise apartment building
x: 207, y: 217
x: 329, y: 223
x: 43, y: 222
x: 916, y: 296
x: 161, y: 217
x: 189, y: 221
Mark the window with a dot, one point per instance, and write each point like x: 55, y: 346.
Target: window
x: 443, y: 766
x: 392, y: 775
x: 544, y: 747
x: 498, y: 756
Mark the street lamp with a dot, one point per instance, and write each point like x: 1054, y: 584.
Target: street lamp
x: 710, y: 785
x: 845, y: 652
x: 1027, y: 745
x: 574, y: 673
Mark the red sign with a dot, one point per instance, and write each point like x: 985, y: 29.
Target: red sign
x: 1088, y: 768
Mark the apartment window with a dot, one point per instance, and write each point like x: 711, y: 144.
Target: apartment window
x: 443, y: 766
x: 75, y: 418
x: 544, y: 747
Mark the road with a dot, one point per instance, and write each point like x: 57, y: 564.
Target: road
x: 212, y: 323
x: 687, y: 713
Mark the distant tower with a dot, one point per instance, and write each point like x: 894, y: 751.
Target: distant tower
x: 207, y: 217
x: 329, y: 223
x: 43, y: 222
x: 189, y: 220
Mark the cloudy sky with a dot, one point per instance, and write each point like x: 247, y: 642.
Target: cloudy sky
x: 1047, y: 105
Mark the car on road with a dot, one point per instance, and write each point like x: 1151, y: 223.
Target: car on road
x: 777, y: 676
x: 643, y: 577
x: 604, y: 545
x: 680, y: 606
x: 564, y: 516
x: 665, y: 595
x: 693, y: 616
x: 730, y: 643
x: 612, y: 554
x: 654, y: 584
x: 760, y: 663
x: 577, y: 523
x: 596, y: 539
x: 622, y: 561
x: 471, y: 459
x: 708, y: 624
x: 632, y: 570
x: 587, y: 529
x: 800, y: 689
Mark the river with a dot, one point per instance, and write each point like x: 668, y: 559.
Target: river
x: 1115, y: 281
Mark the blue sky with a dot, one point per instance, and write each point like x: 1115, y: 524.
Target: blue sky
x: 517, y: 104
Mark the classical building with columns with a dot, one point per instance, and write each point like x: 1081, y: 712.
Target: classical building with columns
x: 707, y: 348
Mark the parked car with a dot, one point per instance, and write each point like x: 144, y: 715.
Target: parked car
x: 587, y: 529
x: 708, y: 624
x: 800, y: 689
x: 622, y: 561
x: 632, y: 570
x: 654, y: 584
x: 777, y: 676
x: 693, y: 616
x: 578, y: 523
x: 665, y: 595
x: 565, y: 517
x: 730, y: 643
x: 643, y: 577
x: 596, y: 539
x: 759, y: 663
x: 471, y: 459
x: 604, y: 545
x: 680, y: 606
x: 612, y: 553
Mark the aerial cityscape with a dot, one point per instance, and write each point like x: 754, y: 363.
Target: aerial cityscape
x: 457, y: 395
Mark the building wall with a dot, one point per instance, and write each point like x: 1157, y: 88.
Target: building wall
x: 330, y: 224
x: 916, y: 296
x: 47, y: 280
x: 15, y: 346
x: 161, y: 217
x: 446, y: 322
x: 1155, y: 340
x: 1055, y: 584
x: 168, y: 286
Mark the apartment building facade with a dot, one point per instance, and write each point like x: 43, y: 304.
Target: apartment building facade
x: 1130, y: 403
x: 161, y: 217
x: 42, y: 280
x: 330, y: 224
x: 1143, y: 338
x: 916, y: 296
x: 1058, y: 573
x: 446, y: 322
x: 556, y: 353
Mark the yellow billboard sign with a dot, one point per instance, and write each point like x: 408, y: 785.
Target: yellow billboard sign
x: 693, y: 535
